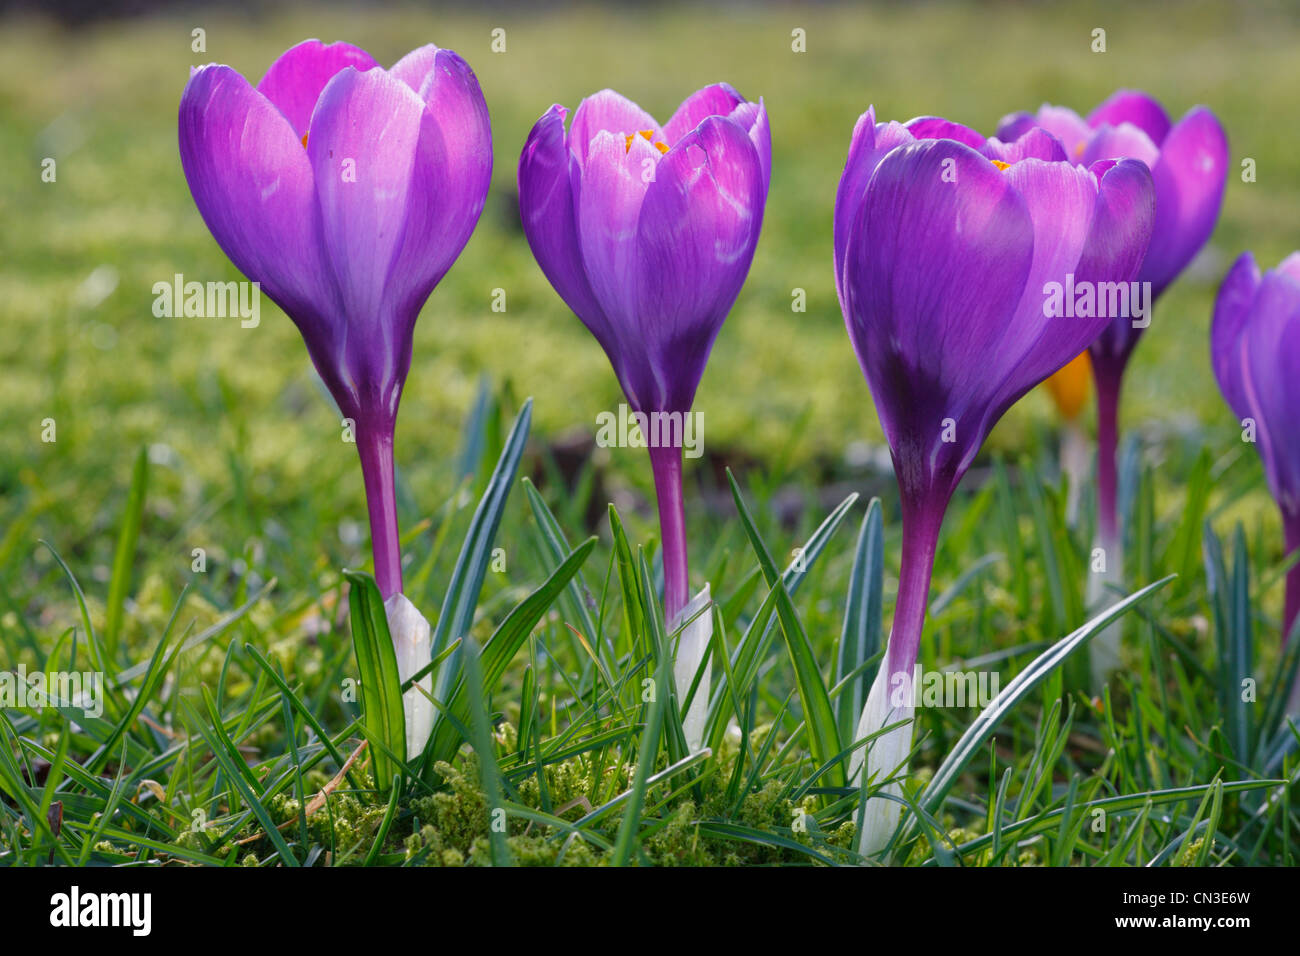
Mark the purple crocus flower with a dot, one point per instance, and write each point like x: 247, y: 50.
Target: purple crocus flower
x: 1189, y: 165
x: 347, y: 191
x: 1255, y: 350
x: 946, y: 247
x: 647, y: 231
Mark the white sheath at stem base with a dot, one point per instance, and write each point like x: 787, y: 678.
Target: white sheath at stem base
x: 886, y: 756
x: 692, y: 646
x: 1076, y: 465
x: 411, y: 641
x: 1103, y: 650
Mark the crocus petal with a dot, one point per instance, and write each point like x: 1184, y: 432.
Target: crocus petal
x: 1015, y: 125
x: 1135, y: 107
x: 546, y: 208
x: 295, y: 80
x: 1290, y: 266
x: 1067, y: 126
x: 612, y: 187
x: 716, y: 100
x: 1061, y: 200
x: 1063, y: 123
x: 1190, y: 177
x: 753, y: 117
x: 869, y: 145
x: 696, y: 236
x: 936, y: 127
x: 1120, y: 142
x: 449, y: 178
x: 1231, y: 310
x: 253, y: 185
x: 1123, y: 224
x: 1270, y: 343
x: 1034, y: 144
x: 935, y: 264
x: 416, y: 69
x: 605, y: 111
x: 1122, y: 234
x: 363, y: 145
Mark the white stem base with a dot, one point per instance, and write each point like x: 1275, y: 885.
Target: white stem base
x: 1076, y: 465
x: 1104, y: 649
x: 692, y: 650
x: 411, y: 641
x: 886, y: 756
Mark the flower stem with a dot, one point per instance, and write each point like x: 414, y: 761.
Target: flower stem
x: 375, y: 446
x: 666, y: 463
x: 921, y: 523
x: 1108, y: 376
x: 879, y: 815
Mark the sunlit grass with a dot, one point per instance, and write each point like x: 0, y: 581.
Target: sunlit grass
x: 246, y: 463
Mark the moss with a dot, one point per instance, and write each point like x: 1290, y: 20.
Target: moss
x: 451, y: 827
x: 346, y: 824
x: 1189, y: 856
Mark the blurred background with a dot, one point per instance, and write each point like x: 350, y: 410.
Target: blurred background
x: 244, y: 441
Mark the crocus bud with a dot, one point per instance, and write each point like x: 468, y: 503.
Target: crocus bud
x: 946, y: 245
x: 347, y: 191
x: 411, y: 642
x: 1255, y: 349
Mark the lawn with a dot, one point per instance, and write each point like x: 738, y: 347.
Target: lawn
x: 183, y: 442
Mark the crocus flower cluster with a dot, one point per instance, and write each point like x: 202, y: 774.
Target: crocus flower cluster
x: 1255, y: 351
x: 347, y: 191
x: 945, y: 244
x: 647, y: 232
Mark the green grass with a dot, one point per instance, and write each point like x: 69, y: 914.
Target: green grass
x: 231, y: 705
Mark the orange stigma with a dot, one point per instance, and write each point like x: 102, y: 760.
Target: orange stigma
x: 649, y: 135
x: 304, y: 140
x: 999, y: 164
x: 1070, y: 386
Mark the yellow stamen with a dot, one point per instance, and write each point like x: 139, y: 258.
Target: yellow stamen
x: 999, y: 164
x: 648, y: 135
